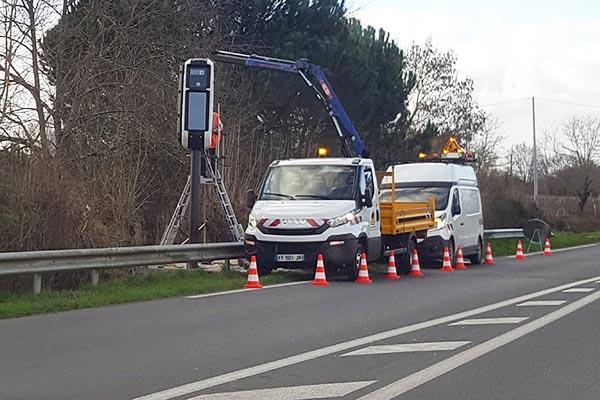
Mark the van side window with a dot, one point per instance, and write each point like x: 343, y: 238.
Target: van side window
x: 455, y: 203
x: 471, y: 202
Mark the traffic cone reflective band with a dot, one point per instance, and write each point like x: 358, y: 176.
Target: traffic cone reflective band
x: 363, y: 271
x: 460, y: 261
x: 489, y: 260
x: 446, y: 264
x: 547, y: 251
x: 391, y: 271
x: 519, y: 255
x: 252, y: 276
x: 415, y: 268
x: 320, y: 279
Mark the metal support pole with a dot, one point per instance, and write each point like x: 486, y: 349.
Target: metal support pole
x: 95, y: 277
x: 37, y: 283
x: 195, y: 199
x: 535, y: 166
x: 227, y: 265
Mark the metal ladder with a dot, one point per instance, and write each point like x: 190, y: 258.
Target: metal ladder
x: 172, y: 229
x: 235, y: 229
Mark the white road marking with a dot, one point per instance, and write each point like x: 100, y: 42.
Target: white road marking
x: 542, y: 303
x: 407, y: 348
x: 490, y: 321
x: 343, y: 346
x: 321, y: 391
x: 200, y: 296
x: 579, y: 290
x: 410, y: 382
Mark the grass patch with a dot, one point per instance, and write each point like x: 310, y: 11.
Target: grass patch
x: 156, y: 285
x: 507, y: 247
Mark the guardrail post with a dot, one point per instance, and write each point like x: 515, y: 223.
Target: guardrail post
x: 37, y: 283
x: 226, y: 265
x: 95, y: 277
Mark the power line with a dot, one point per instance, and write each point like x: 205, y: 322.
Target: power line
x: 540, y: 98
x: 569, y: 103
x: 504, y: 102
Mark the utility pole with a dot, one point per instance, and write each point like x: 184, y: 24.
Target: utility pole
x: 535, y: 166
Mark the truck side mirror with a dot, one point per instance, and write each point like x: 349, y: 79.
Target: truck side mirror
x: 250, y: 199
x: 368, y: 198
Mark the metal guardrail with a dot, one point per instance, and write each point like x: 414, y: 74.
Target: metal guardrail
x: 37, y: 262
x: 503, y: 233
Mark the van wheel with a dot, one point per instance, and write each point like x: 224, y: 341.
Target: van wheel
x: 452, y: 252
x: 478, y: 256
x: 352, y: 269
x: 403, y: 265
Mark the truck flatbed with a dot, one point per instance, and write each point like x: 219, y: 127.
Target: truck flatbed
x: 399, y: 217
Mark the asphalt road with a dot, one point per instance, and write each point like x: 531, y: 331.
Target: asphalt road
x: 465, y: 335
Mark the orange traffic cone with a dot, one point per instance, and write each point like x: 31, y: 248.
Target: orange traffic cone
x: 489, y: 260
x: 519, y: 256
x: 460, y: 261
x: 363, y: 271
x: 320, y: 279
x: 252, y: 275
x: 415, y: 269
x: 547, y: 251
x: 391, y: 271
x: 446, y: 264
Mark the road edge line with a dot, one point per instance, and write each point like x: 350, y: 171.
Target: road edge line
x: 200, y: 296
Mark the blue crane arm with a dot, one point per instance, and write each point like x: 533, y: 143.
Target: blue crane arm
x: 313, y: 75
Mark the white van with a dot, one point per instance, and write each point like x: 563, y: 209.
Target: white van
x: 458, y: 214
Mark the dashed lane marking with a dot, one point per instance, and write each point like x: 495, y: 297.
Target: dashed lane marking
x: 579, y: 290
x: 490, y: 321
x: 322, y: 391
x: 419, y: 378
x: 407, y: 348
x: 542, y: 303
x: 196, y: 386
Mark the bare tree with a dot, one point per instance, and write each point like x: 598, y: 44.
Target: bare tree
x: 486, y: 145
x: 577, y: 149
x: 25, y: 109
x: 439, y: 95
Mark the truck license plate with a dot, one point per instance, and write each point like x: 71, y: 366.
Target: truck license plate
x: 290, y: 257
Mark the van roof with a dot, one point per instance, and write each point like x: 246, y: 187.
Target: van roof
x: 432, y: 172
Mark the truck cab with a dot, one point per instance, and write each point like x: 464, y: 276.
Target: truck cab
x: 307, y: 207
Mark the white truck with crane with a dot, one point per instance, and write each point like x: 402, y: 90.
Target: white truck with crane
x: 327, y: 206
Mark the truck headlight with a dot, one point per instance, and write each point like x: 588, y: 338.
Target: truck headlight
x: 344, y: 219
x: 252, y: 221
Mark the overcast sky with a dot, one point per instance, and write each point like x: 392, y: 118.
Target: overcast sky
x: 511, y: 49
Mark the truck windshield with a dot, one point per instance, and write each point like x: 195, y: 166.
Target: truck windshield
x: 419, y: 194
x: 302, y: 182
